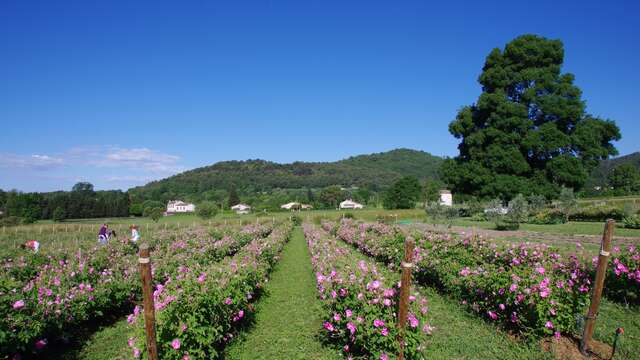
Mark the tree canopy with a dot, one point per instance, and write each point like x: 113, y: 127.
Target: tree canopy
x: 528, y: 132
x: 403, y: 194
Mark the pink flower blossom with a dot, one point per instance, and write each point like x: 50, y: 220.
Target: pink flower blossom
x: 352, y: 327
x: 540, y: 270
x: 328, y: 326
x: 348, y: 313
x: 337, y: 317
x: 492, y: 315
x: 384, y: 331
x: 378, y: 323
x: 202, y: 277
x: 40, y: 344
x: 175, y: 344
x: 18, y: 304
x: 465, y: 272
x: 228, y: 301
x: 548, y: 325
x: 384, y: 356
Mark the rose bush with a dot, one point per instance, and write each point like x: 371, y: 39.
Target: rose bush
x: 525, y: 287
x: 201, y: 308
x: 360, y: 301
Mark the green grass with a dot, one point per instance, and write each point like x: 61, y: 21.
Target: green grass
x: 570, y: 228
x: 612, y: 316
x: 108, y: 343
x: 287, y: 319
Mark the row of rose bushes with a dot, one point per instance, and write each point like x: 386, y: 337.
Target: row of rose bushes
x: 360, y: 301
x: 201, y: 308
x: 525, y: 287
x: 46, y: 298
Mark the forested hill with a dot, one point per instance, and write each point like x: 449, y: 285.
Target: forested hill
x: 374, y: 171
x: 599, y: 175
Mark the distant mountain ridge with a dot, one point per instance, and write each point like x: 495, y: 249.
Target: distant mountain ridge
x: 374, y: 171
x: 599, y: 175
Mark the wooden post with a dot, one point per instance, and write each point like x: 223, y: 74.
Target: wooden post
x: 405, y: 292
x: 603, y: 259
x: 149, y: 308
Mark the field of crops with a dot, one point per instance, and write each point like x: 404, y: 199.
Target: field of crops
x: 209, y: 281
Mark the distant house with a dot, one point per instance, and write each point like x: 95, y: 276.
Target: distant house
x: 291, y: 206
x: 296, y: 206
x: 446, y: 198
x: 350, y: 204
x: 241, y: 208
x: 178, y: 206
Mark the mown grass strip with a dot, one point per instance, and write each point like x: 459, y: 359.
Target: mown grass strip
x: 287, y: 320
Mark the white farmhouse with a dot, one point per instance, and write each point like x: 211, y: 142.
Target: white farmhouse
x: 178, y: 206
x: 241, y: 208
x: 350, y: 204
x: 291, y: 206
x: 446, y: 198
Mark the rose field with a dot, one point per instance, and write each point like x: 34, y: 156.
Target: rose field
x: 322, y: 288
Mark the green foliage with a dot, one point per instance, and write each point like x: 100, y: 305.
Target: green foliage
x: 296, y: 220
x: 432, y: 190
x: 207, y: 210
x: 155, y: 213
x: 567, y: 202
x: 631, y: 222
x: 257, y: 181
x: 528, y: 132
x: 548, y: 217
x: 597, y: 213
x: 234, y: 199
x: 625, y: 179
x: 331, y: 196
x: 403, y: 194
x: 58, y: 214
x: 598, y: 182
x: 441, y: 213
x: 135, y: 209
x: 82, y: 187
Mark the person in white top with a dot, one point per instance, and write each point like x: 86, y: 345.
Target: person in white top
x: 135, y: 235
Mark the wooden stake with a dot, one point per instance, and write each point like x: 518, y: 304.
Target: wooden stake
x: 147, y: 293
x: 405, y: 291
x: 603, y: 259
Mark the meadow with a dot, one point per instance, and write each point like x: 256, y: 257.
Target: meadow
x: 220, y: 286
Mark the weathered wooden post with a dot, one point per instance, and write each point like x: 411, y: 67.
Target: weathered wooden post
x: 601, y: 271
x: 405, y: 292
x: 149, y: 308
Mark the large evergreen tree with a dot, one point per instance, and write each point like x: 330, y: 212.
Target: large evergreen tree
x: 528, y: 132
x: 403, y: 194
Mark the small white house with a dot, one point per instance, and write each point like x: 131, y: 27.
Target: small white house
x: 291, y: 206
x: 241, y: 208
x: 446, y: 198
x: 178, y: 206
x: 350, y: 204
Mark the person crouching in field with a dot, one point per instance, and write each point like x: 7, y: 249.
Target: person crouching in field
x: 31, y: 245
x: 135, y: 235
x: 102, y: 234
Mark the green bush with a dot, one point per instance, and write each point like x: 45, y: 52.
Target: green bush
x: 597, y: 213
x: 348, y: 215
x: 548, y: 217
x: 10, y: 221
x: 296, y: 220
x: 207, y: 210
x: 631, y: 222
x: 505, y: 224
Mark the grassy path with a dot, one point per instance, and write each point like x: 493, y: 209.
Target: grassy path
x: 287, y: 323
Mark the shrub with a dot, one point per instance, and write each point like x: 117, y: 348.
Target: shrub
x: 597, y: 213
x: 631, y: 222
x: 296, y: 220
x: 10, y: 221
x: 58, y: 214
x: 207, y: 210
x: 548, y: 217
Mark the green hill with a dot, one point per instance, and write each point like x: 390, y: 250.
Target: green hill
x: 599, y: 175
x: 254, y: 177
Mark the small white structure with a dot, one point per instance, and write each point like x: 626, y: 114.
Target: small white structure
x: 446, y: 198
x: 291, y: 206
x: 350, y: 204
x: 306, y: 206
x: 178, y: 206
x: 241, y: 208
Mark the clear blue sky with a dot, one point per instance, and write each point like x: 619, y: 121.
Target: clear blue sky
x: 120, y: 92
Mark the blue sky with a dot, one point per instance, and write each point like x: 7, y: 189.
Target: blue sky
x: 119, y: 92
